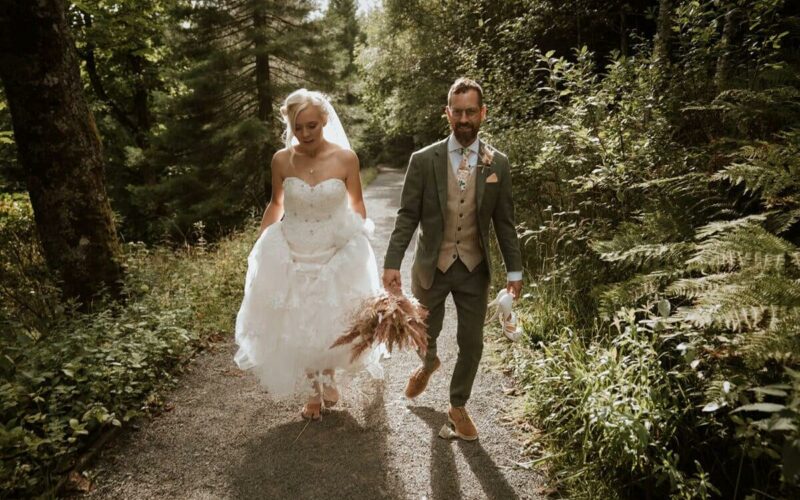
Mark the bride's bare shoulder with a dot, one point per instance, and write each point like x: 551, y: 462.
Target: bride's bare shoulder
x: 344, y: 155
x: 281, y: 155
x: 280, y: 159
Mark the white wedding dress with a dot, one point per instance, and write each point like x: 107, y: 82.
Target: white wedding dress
x: 306, y: 275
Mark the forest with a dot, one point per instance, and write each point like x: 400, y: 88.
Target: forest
x: 655, y: 152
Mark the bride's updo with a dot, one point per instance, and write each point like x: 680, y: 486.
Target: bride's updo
x: 296, y: 102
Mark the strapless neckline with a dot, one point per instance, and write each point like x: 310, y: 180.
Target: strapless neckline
x: 312, y: 186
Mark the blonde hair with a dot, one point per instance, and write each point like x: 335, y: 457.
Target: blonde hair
x: 296, y: 102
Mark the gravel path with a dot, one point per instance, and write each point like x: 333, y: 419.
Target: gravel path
x: 225, y: 438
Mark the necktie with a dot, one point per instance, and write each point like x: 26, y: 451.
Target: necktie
x: 463, y: 169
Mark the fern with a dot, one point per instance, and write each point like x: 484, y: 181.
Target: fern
x: 747, y: 246
x: 750, y: 109
x: 781, y: 222
x: 693, y: 288
x: 632, y: 291
x: 770, y: 170
x: 740, y: 301
x: 721, y: 226
x: 780, y: 344
x: 641, y: 255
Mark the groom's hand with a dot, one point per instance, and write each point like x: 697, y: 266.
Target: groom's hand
x: 514, y: 288
x: 391, y: 280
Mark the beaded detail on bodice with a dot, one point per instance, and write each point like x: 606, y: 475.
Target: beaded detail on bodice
x: 315, y: 215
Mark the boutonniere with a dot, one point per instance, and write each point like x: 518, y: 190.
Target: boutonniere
x: 485, y: 157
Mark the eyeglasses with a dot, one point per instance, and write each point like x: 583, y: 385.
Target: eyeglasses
x: 470, y: 112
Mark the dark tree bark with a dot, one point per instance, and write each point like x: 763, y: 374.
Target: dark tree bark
x: 59, y: 147
x: 661, y: 50
x: 623, y: 31
x: 730, y: 30
x: 263, y: 88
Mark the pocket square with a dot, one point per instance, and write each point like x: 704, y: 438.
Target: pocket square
x: 491, y: 179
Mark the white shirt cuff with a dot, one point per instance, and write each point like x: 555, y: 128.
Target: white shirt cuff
x: 515, y: 276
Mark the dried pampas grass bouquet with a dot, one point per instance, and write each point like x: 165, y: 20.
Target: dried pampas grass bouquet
x: 388, y: 318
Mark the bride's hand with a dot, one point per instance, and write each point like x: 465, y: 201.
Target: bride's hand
x: 391, y: 280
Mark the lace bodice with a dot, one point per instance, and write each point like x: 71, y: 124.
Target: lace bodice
x: 317, y: 218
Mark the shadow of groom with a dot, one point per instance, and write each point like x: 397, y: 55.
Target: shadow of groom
x: 444, y: 473
x: 336, y: 457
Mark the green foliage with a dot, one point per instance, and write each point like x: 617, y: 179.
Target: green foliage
x: 407, y: 66
x: 67, y: 376
x: 613, y: 403
x: 676, y: 199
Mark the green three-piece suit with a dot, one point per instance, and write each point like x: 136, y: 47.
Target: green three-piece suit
x: 452, y: 251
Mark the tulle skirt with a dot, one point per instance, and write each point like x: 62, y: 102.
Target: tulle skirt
x: 297, y: 304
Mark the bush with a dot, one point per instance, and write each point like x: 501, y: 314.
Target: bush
x: 661, y: 223
x: 68, y: 376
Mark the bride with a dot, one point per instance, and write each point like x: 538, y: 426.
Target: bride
x: 312, y: 263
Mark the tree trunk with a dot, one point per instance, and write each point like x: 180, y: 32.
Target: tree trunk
x: 623, y: 32
x: 262, y: 66
x: 661, y: 50
x: 59, y: 147
x: 722, y: 75
x: 264, y: 89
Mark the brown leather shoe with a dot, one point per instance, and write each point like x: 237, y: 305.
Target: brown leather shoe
x: 418, y: 380
x: 459, y: 419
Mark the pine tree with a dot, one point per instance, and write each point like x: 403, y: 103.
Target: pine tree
x: 242, y: 56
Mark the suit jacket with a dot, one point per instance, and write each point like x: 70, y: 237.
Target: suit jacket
x: 423, y: 203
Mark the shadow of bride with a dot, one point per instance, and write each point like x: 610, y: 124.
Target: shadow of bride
x: 337, y: 457
x: 444, y: 473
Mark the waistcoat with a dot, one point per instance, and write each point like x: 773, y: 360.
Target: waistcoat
x: 461, y: 237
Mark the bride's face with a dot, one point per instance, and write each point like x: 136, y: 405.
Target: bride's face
x: 308, y: 127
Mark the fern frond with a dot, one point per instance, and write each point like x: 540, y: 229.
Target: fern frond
x: 741, y: 301
x: 782, y: 104
x: 747, y: 246
x: 781, y: 344
x: 694, y: 287
x: 771, y: 170
x: 780, y: 222
x: 642, y: 255
x: 721, y: 226
x: 632, y: 292
x: 686, y: 183
x: 736, y: 319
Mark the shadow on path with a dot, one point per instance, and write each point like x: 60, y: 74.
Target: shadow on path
x: 444, y: 475
x: 336, y: 457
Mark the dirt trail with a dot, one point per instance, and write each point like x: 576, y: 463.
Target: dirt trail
x: 225, y: 438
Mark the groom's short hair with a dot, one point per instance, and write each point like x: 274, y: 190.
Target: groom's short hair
x: 463, y: 85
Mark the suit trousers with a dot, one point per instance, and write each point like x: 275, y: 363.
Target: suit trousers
x: 470, y: 292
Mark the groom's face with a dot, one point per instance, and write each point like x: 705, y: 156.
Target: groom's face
x: 465, y: 114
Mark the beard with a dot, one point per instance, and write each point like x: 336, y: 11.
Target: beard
x: 465, y: 134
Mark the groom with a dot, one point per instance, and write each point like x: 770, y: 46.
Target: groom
x: 453, y: 191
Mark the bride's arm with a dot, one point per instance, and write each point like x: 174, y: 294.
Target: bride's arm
x: 353, y: 182
x: 274, y: 210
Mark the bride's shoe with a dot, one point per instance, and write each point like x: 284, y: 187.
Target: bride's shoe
x: 511, y: 330
x: 312, y: 410
x: 506, y: 316
x: 503, y: 303
x: 330, y: 395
